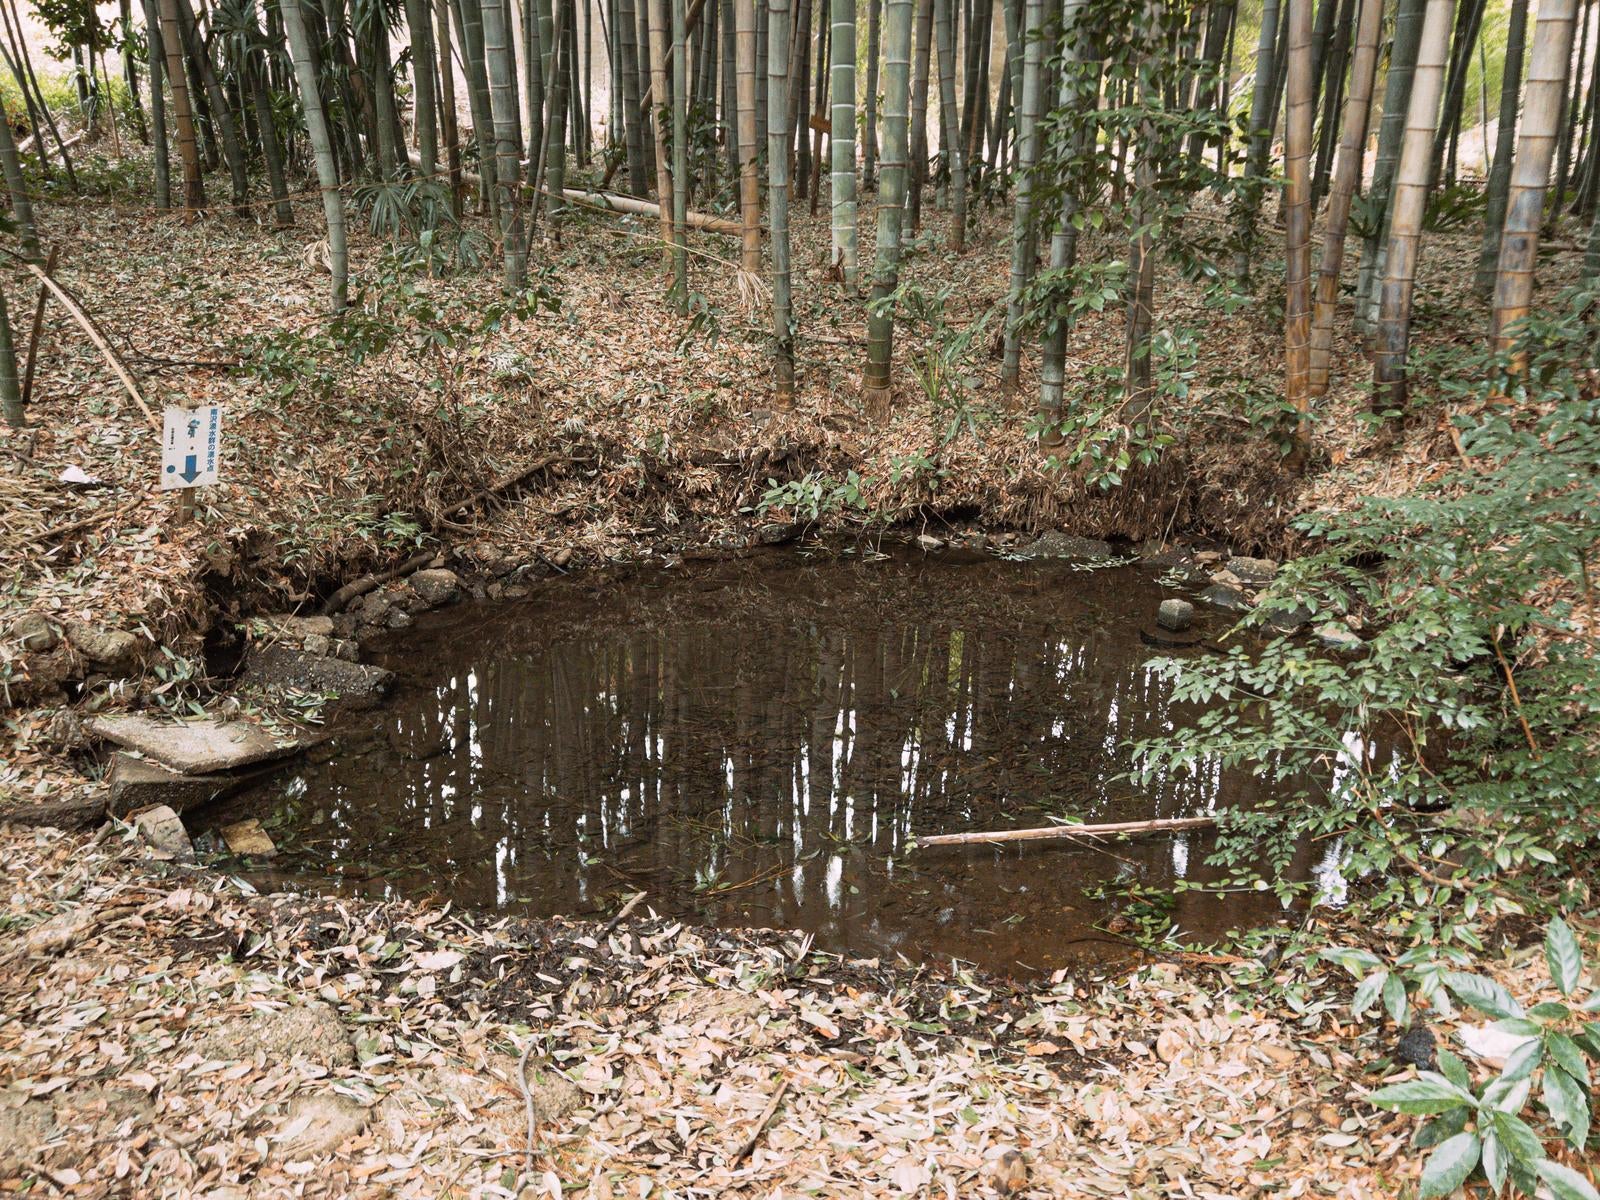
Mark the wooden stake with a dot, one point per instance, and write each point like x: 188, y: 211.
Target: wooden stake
x: 1069, y: 832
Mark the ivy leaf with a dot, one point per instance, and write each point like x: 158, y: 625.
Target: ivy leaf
x: 1568, y: 1105
x: 1485, y: 995
x: 1562, y: 953
x: 1367, y: 994
x: 1565, y: 1183
x: 1447, y: 1167
x: 1394, y: 998
x: 1427, y: 1093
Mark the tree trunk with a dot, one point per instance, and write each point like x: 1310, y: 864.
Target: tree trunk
x: 1023, y: 236
x: 660, y: 99
x: 502, y: 73
x: 1548, y: 65
x: 869, y: 152
x: 778, y: 198
x: 422, y: 56
x: 1064, y: 240
x: 155, y: 69
x: 744, y: 15
x: 680, y: 159
x: 1410, y: 202
x: 1347, y: 177
x: 1497, y: 189
x: 920, y: 67
x: 1297, y: 224
x: 10, y: 390
x: 221, y: 114
x: 194, y: 191
x: 21, y: 206
x: 876, y: 380
x: 842, y: 141
x: 1408, y: 24
x: 469, y: 24
x: 1471, y: 18
x: 950, y: 137
x: 321, y: 146
x: 255, y: 67
x: 447, y: 101
x: 1260, y: 134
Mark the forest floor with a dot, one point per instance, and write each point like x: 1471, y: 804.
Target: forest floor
x: 167, y: 1031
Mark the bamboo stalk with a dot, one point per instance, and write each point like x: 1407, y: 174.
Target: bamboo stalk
x: 1052, y: 833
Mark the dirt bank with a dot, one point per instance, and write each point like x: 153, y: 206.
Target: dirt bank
x: 166, y: 1033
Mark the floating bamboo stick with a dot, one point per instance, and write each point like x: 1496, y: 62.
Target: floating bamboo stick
x: 1066, y: 832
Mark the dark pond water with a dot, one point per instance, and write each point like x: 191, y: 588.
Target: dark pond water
x: 754, y: 743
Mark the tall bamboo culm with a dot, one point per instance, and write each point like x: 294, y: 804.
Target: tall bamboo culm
x: 744, y: 14
x: 842, y: 140
x: 1548, y: 66
x: 778, y: 199
x: 1297, y: 223
x: 1023, y: 242
x: 1498, y: 188
x: 305, y: 73
x: 1410, y: 200
x: 892, y: 172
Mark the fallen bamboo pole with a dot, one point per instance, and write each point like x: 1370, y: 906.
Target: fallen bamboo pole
x: 648, y: 208
x: 1068, y: 832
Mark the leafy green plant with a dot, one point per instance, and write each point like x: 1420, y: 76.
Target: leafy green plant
x: 814, y: 496
x: 1482, y: 1131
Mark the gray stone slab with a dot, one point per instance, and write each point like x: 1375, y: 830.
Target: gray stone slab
x: 137, y: 783
x: 197, y: 747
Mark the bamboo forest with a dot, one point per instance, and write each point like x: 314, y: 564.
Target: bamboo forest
x: 837, y: 598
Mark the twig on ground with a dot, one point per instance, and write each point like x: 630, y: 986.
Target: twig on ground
x: 761, y: 1122
x: 605, y: 930
x: 1060, y: 832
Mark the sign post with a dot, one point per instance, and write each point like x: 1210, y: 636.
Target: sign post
x: 191, y: 452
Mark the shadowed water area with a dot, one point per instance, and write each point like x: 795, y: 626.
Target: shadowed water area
x: 755, y: 743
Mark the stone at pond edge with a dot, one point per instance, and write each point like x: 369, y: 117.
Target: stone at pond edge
x: 247, y: 837
x: 197, y: 747
x: 1055, y: 544
x: 928, y: 543
x: 1253, y: 571
x: 437, y: 585
x: 299, y: 628
x: 1337, y: 637
x: 35, y: 634
x: 1288, y: 620
x: 278, y: 669
x: 163, y: 831
x: 112, y: 649
x: 1176, y: 615
x: 137, y: 783
x: 1226, y: 598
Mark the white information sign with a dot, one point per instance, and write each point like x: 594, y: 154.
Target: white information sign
x: 191, y: 446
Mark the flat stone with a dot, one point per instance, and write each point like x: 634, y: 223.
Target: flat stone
x: 319, y: 644
x: 1253, y: 571
x: 375, y: 606
x: 928, y: 543
x: 299, y: 627
x: 399, y: 618
x: 35, y: 634
x: 1226, y: 598
x: 112, y: 649
x: 163, y: 831
x: 137, y: 783
x: 247, y: 837
x: 197, y: 747
x: 284, y: 669
x: 1176, y: 615
x: 1337, y: 637
x: 1287, y: 618
x: 1055, y: 544
x: 436, y: 586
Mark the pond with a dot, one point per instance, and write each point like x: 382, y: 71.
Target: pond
x: 757, y: 742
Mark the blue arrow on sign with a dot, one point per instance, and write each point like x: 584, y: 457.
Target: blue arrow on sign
x: 190, y: 471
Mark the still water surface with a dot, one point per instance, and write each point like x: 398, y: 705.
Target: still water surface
x: 756, y: 742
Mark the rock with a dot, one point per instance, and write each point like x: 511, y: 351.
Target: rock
x: 319, y: 1125
x: 164, y: 833
x: 1337, y: 637
x: 1287, y: 619
x: 1207, y: 556
x: 110, y: 649
x: 247, y: 837
x: 1055, y: 544
x: 1008, y: 1174
x: 319, y: 644
x: 25, y: 1126
x: 138, y: 783
x: 1416, y: 1047
x: 74, y: 810
x: 279, y: 669
x: 1226, y: 579
x: 1166, y: 638
x: 35, y: 634
x: 375, y: 607
x: 399, y: 618
x: 778, y: 532
x: 1253, y: 571
x: 59, y: 933
x: 1176, y: 615
x: 300, y: 628
x: 311, y: 1032
x: 436, y: 586
x: 196, y: 747
x: 1170, y: 1045
x: 927, y: 543
x: 1226, y: 598
x: 345, y: 649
